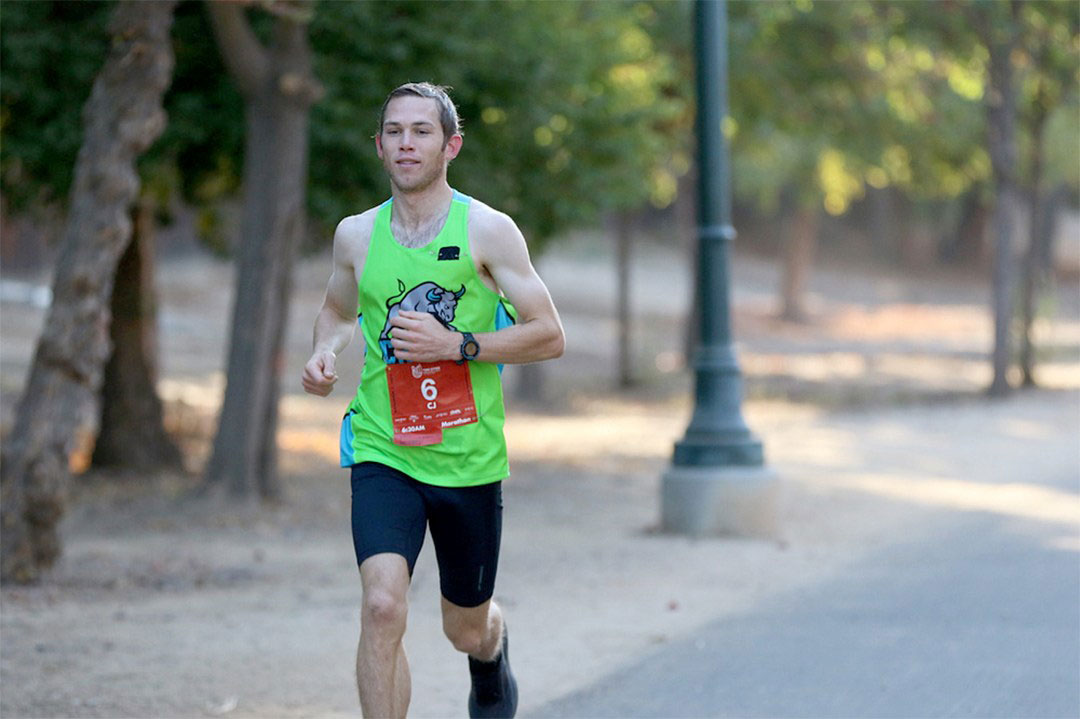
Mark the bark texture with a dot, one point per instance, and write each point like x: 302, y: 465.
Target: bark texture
x: 799, y: 251
x: 279, y: 88
x: 968, y: 245
x: 622, y: 228
x: 998, y: 27
x: 132, y: 434
x: 122, y: 118
x: 1042, y: 208
x: 1038, y: 270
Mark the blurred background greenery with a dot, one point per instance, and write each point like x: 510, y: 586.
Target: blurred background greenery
x: 868, y: 111
x: 859, y: 130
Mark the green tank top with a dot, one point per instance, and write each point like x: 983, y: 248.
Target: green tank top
x: 439, y: 278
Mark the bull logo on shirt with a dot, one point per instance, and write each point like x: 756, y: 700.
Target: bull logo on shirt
x: 425, y: 297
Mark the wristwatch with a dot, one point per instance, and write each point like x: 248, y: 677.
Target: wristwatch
x: 469, y: 346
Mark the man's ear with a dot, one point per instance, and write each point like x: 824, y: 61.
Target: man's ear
x: 453, y: 147
x: 378, y: 145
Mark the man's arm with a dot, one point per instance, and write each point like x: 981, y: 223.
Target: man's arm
x: 336, y: 321
x: 499, y: 247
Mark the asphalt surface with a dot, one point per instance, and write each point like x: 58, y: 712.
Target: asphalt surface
x: 979, y: 621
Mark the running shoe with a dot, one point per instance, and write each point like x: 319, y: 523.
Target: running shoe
x: 494, y: 692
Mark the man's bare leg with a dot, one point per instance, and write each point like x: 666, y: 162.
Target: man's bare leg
x: 476, y: 631
x: 382, y: 670
x: 481, y: 633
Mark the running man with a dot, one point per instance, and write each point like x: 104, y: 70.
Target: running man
x: 444, y: 292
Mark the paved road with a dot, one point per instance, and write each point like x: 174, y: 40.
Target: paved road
x: 981, y: 620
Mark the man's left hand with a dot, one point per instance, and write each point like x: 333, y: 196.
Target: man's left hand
x: 419, y: 337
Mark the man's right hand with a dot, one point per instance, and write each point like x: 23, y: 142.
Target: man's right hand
x: 319, y: 375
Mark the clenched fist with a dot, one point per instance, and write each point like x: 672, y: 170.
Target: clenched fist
x: 319, y: 376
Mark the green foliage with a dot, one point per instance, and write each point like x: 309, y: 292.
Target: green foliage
x: 1049, y: 65
x: 804, y: 109
x: 50, y: 53
x: 573, y: 108
x: 204, y: 139
x: 830, y: 97
x: 838, y: 98
x: 568, y: 108
x: 1062, y: 129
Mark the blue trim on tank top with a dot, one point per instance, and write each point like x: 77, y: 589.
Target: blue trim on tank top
x: 346, y: 441
x: 503, y: 319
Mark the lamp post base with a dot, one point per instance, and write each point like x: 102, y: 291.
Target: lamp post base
x: 734, y: 501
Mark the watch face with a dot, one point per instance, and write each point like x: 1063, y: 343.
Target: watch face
x: 471, y: 348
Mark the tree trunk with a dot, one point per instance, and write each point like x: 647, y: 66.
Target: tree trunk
x: 884, y: 223
x: 132, y: 432
x: 1037, y: 270
x: 279, y: 89
x: 621, y: 228
x: 530, y: 386
x: 799, y: 251
x: 1043, y: 209
x: 122, y: 118
x: 967, y: 245
x: 1000, y: 35
x: 1030, y: 281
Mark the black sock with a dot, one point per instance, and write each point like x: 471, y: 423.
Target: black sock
x: 479, y: 667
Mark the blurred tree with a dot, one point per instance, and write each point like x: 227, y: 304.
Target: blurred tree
x: 1021, y: 61
x: 1049, y: 61
x: 193, y: 160
x: 131, y: 431
x: 49, y: 54
x: 997, y: 25
x: 843, y: 96
x: 122, y: 117
x: 807, y: 118
x: 669, y: 29
x: 279, y: 89
x: 1005, y: 156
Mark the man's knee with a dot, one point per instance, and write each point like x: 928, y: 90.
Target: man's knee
x: 467, y: 628
x: 384, y: 611
x: 386, y: 585
x: 465, y: 638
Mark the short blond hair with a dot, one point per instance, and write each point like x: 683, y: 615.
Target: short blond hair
x: 448, y: 117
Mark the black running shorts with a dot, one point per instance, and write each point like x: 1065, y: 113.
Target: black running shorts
x: 391, y: 511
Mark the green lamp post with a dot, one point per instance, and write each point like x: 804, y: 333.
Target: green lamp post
x: 717, y: 482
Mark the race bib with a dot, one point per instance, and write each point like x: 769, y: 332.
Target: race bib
x: 427, y: 397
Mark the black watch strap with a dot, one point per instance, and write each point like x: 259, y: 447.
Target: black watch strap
x: 469, y: 346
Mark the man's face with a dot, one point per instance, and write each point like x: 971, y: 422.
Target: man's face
x: 411, y: 144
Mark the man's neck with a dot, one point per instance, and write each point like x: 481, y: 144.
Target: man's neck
x: 414, y: 210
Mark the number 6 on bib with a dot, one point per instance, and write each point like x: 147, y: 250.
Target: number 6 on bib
x: 430, y: 391
x: 426, y: 398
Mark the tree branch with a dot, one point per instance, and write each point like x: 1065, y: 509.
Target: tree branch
x: 245, y: 57
x: 299, y: 11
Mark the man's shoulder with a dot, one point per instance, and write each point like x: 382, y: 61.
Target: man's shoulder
x: 485, y: 221
x: 357, y: 228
